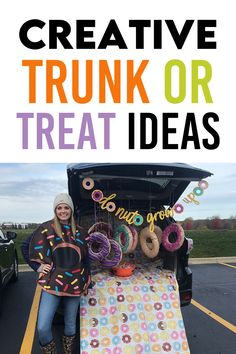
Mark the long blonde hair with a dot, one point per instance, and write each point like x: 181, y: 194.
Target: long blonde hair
x: 58, y: 229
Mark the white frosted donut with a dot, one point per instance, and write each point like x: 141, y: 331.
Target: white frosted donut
x: 150, y: 249
x: 88, y: 183
x: 158, y: 232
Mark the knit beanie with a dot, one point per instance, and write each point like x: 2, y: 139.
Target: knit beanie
x: 65, y: 199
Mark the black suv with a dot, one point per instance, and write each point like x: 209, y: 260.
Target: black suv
x: 8, y: 259
x: 143, y: 187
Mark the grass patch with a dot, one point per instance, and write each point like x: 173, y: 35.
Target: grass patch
x: 206, y: 243
x: 213, y: 243
x: 21, y: 235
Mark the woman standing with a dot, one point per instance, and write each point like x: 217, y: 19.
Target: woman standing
x: 59, y: 246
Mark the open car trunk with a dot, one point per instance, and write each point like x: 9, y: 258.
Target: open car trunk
x: 164, y: 281
x: 139, y: 186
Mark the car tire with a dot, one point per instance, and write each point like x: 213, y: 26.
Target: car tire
x: 15, y: 274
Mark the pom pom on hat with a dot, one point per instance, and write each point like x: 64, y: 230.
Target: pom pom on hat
x: 63, y: 198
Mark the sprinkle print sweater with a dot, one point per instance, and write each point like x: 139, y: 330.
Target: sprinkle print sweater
x: 70, y: 274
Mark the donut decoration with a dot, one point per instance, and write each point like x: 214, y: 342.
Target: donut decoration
x: 88, y: 183
x: 97, y: 195
x: 198, y: 191
x: 158, y: 232
x: 134, y: 238
x: 110, y: 207
x: 149, y: 242
x: 124, y: 270
x: 123, y: 236
x: 138, y: 220
x: 102, y: 227
x: 178, y: 231
x: 114, y: 257
x: 203, y: 184
x: 178, y: 208
x: 98, y: 246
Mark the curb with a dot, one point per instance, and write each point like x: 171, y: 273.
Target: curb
x: 211, y: 260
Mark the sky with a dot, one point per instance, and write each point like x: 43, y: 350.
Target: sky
x: 27, y: 192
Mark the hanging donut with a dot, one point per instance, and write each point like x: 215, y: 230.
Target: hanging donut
x: 98, y: 246
x: 134, y: 238
x: 138, y: 220
x: 123, y: 236
x: 97, y: 195
x: 114, y: 257
x: 158, y: 232
x: 102, y: 227
x: 149, y: 242
x: 178, y: 230
x: 178, y: 208
x: 88, y: 183
x: 110, y: 207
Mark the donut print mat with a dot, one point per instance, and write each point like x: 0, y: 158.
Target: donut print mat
x: 139, y: 314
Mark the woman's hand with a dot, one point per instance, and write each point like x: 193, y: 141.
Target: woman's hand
x: 44, y: 268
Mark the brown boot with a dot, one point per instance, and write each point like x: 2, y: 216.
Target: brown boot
x: 68, y: 344
x: 49, y: 348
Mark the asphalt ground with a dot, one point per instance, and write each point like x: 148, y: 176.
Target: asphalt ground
x: 210, y: 321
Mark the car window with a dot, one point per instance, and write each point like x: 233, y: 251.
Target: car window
x: 2, y: 236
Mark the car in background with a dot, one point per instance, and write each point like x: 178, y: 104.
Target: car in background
x: 145, y: 187
x: 8, y: 259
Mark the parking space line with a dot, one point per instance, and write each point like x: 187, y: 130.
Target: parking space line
x: 28, y: 339
x: 217, y: 318
x: 228, y: 265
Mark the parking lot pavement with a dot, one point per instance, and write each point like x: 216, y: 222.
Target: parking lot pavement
x: 212, y: 331
x: 214, y: 288
x: 16, y: 305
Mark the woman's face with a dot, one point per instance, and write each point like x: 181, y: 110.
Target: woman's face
x: 63, y: 212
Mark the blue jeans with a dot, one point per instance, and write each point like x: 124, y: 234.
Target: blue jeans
x: 47, y: 309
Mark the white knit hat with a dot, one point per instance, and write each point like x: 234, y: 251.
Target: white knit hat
x: 65, y: 199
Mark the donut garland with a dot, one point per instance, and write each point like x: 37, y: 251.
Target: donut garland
x: 133, y: 217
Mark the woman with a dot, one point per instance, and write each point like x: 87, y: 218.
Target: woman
x: 59, y: 247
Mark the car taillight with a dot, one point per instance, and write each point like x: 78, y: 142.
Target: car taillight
x: 187, y: 296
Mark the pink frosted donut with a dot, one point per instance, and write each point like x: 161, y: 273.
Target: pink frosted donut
x: 102, y: 227
x: 114, y: 257
x: 98, y: 246
x: 178, y: 230
x: 97, y: 195
x: 135, y: 238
